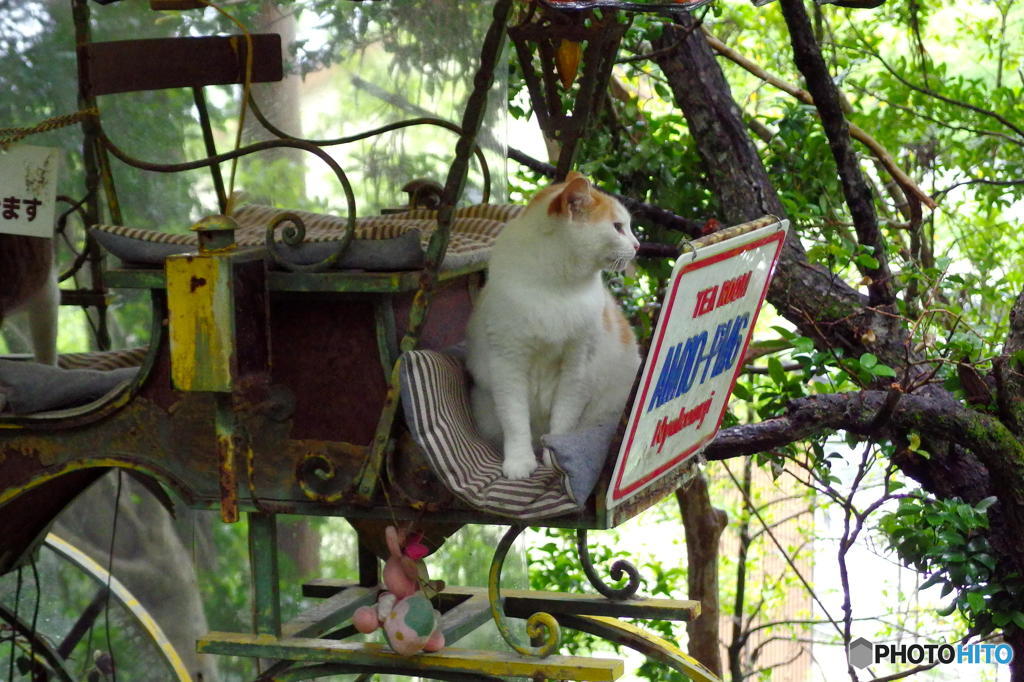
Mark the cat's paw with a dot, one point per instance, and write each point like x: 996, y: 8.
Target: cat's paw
x: 516, y: 468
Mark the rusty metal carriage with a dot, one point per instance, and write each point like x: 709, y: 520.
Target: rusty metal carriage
x: 272, y: 380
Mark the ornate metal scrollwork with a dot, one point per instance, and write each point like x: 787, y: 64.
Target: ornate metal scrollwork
x: 538, y: 626
x: 315, y: 474
x: 619, y: 568
x: 293, y: 235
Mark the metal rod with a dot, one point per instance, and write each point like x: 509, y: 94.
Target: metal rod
x: 266, y: 602
x: 83, y: 623
x: 39, y: 644
x: 227, y: 457
x: 476, y: 107
x: 97, y: 170
x: 369, y: 567
x: 618, y: 568
x: 211, y: 147
x: 539, y: 627
x: 391, y: 127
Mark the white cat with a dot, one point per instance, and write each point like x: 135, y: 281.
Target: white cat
x: 548, y: 347
x: 28, y: 284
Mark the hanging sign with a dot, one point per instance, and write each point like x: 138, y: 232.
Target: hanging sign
x: 711, y: 304
x: 28, y: 190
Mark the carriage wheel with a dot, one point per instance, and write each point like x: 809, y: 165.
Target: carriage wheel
x: 60, y: 631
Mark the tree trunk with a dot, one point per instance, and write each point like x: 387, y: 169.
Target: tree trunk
x: 964, y: 461
x: 703, y: 526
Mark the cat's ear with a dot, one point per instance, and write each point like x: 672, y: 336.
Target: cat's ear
x: 574, y: 197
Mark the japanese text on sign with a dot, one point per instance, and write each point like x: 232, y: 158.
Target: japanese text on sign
x: 28, y: 190
x: 11, y: 208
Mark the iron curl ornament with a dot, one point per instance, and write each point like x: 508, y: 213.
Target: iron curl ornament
x: 293, y: 235
x: 317, y: 477
x: 539, y: 626
x: 620, y: 569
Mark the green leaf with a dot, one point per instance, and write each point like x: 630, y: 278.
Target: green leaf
x: 1018, y: 619
x: 983, y: 505
x: 976, y: 601
x: 742, y: 392
x: 868, y: 360
x: 986, y: 560
x: 867, y: 261
x: 775, y: 371
x: 883, y: 371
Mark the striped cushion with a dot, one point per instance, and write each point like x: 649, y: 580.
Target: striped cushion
x: 104, y: 360
x: 437, y: 412
x: 473, y: 231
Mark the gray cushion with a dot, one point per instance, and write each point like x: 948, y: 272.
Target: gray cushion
x: 29, y: 387
x: 398, y: 253
x: 136, y: 250
x: 580, y: 455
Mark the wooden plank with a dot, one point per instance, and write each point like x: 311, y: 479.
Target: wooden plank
x: 330, y: 613
x: 323, y: 588
x: 463, y: 618
x: 523, y: 603
x: 377, y: 657
x: 156, y: 63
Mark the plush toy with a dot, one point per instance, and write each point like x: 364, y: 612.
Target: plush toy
x: 409, y: 620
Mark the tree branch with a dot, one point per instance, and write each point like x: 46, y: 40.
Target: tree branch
x: 939, y: 96
x: 858, y: 133
x: 826, y: 98
x: 638, y: 209
x: 938, y: 415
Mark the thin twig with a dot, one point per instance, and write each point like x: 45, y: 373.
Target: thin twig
x: 782, y: 550
x: 858, y: 133
x: 933, y: 94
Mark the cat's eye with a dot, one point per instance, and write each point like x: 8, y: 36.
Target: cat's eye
x: 618, y: 226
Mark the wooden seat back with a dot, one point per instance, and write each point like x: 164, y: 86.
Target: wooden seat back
x: 156, y: 63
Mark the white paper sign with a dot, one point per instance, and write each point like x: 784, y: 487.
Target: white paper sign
x: 28, y: 190
x: 711, y: 304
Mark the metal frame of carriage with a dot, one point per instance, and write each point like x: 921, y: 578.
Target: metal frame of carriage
x: 262, y: 436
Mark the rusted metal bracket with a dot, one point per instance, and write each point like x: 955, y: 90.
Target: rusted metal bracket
x: 218, y: 318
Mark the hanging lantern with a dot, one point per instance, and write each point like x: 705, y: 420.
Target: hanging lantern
x: 552, y: 42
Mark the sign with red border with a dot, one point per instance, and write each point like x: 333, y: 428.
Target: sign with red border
x: 711, y: 304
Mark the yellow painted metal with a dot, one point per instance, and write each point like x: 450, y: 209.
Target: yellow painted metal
x: 46, y: 475
x: 647, y: 643
x: 126, y: 598
x: 380, y: 657
x: 201, y: 320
